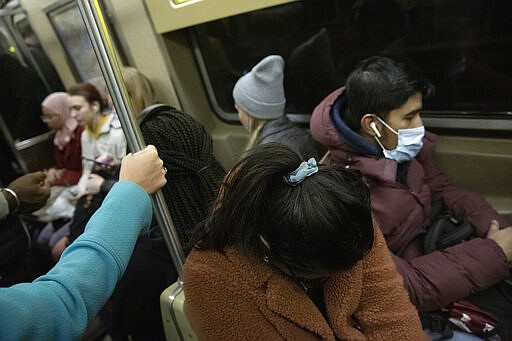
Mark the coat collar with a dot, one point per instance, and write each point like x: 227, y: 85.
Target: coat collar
x: 284, y: 298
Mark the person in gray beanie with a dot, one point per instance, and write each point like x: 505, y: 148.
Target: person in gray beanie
x: 260, y: 101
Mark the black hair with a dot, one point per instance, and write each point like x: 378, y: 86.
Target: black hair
x: 379, y: 85
x: 194, y: 174
x: 322, y: 224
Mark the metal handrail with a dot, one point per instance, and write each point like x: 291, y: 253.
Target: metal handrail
x: 109, y: 64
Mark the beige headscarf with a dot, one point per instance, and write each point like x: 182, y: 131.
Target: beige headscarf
x: 58, y: 103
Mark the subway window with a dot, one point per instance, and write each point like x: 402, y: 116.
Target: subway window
x: 463, y: 47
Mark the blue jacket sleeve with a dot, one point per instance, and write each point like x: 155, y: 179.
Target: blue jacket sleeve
x: 60, y: 304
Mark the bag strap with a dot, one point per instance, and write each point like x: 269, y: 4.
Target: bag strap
x: 155, y: 109
x: 436, y: 323
x: 463, y: 232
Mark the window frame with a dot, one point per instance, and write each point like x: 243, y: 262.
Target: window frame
x: 465, y: 120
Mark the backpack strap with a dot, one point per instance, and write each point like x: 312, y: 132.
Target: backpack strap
x: 152, y: 110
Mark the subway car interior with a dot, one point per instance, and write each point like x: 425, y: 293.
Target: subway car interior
x: 194, y: 51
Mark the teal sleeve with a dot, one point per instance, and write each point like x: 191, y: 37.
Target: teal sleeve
x: 60, y: 304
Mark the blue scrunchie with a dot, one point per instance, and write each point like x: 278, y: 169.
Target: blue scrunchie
x: 304, y: 170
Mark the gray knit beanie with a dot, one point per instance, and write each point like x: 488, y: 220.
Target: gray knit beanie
x: 260, y: 92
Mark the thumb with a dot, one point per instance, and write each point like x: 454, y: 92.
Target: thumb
x: 37, y: 177
x: 494, y: 226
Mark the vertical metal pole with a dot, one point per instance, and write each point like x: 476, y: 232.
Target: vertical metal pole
x: 107, y: 58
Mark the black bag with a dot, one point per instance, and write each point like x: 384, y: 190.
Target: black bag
x: 447, y: 231
x: 444, y: 230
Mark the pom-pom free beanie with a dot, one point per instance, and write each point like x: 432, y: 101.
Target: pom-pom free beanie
x: 260, y: 92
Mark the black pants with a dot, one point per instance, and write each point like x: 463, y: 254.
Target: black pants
x: 136, y: 300
x: 497, y: 300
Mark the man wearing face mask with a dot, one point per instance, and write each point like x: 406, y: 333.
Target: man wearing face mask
x: 373, y: 124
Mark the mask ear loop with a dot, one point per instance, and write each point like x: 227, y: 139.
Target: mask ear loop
x: 386, y: 125
x: 377, y: 132
x: 379, y: 143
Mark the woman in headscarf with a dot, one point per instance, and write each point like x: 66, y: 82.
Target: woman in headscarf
x: 67, y: 150
x: 67, y: 153
x: 66, y: 171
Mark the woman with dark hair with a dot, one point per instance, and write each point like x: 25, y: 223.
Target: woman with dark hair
x: 194, y: 175
x: 103, y: 141
x: 292, y: 253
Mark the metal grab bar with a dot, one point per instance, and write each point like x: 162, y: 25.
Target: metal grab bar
x: 108, y: 60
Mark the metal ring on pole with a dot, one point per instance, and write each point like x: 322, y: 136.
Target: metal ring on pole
x: 107, y: 58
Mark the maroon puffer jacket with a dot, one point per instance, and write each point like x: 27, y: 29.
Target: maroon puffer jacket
x: 436, y: 279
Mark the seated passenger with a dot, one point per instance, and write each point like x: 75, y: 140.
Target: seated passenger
x: 260, y: 102
x: 292, y: 253
x: 103, y: 141
x: 71, y: 294
x: 373, y: 125
x: 67, y: 154
x: 67, y: 151
x: 140, y: 90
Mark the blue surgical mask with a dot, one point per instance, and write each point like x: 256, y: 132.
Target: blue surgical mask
x: 410, y: 142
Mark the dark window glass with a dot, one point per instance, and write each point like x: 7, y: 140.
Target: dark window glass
x: 462, y: 46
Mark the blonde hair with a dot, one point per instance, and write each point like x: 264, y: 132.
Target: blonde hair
x: 139, y: 88
x: 256, y: 126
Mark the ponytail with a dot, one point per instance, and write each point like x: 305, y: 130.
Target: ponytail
x: 242, y: 204
x: 321, y: 223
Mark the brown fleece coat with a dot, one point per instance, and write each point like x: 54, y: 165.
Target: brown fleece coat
x: 234, y: 298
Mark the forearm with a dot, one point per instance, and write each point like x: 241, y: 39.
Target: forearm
x: 72, y: 293
x: 82, y: 182
x: 439, y: 278
x: 107, y: 185
x: 473, y: 207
